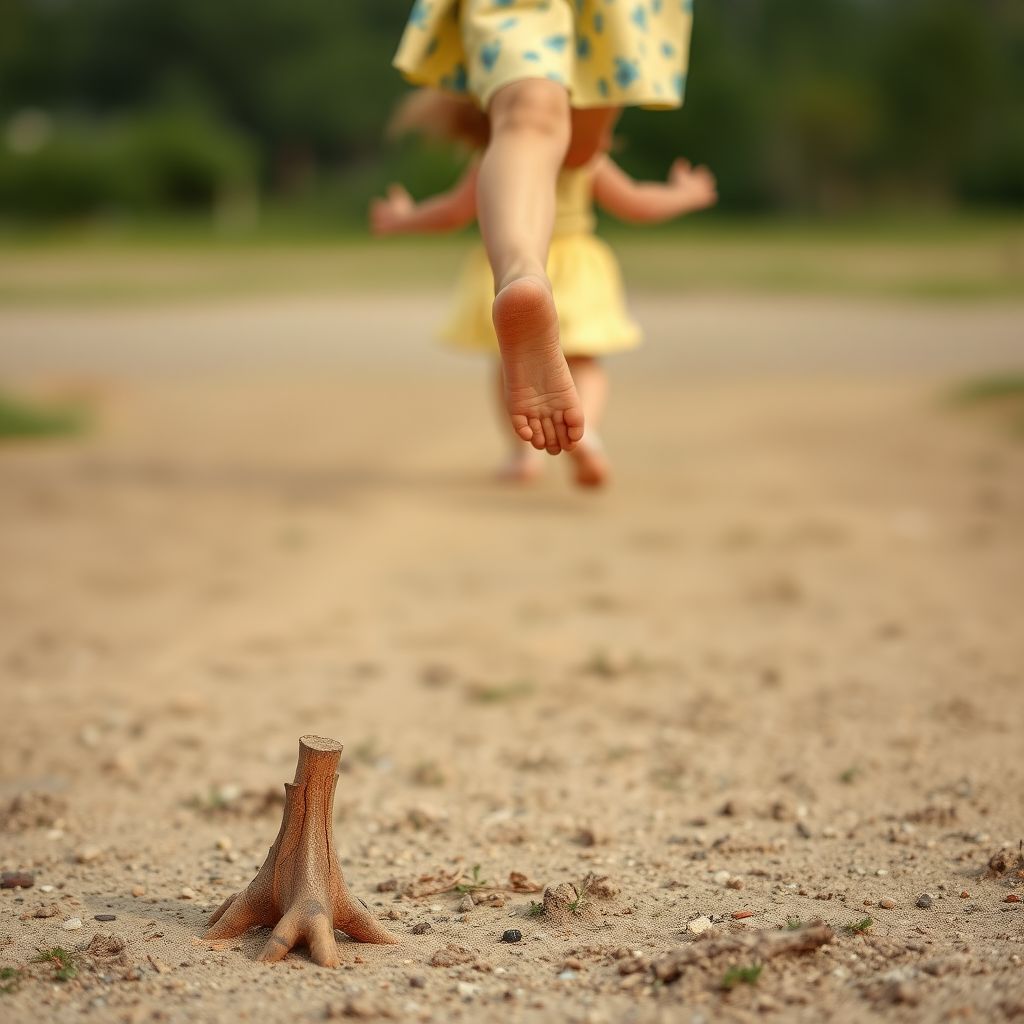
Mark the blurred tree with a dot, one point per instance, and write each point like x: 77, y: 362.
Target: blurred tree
x: 799, y: 105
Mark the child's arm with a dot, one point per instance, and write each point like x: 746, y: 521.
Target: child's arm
x: 448, y: 211
x: 651, y: 202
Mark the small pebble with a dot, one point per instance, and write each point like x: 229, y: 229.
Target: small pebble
x: 924, y: 901
x: 88, y: 854
x: 46, y: 888
x: 698, y: 925
x: 423, y: 928
x: 466, y: 991
x: 417, y: 981
x: 72, y: 924
x: 138, y: 891
x: 740, y: 914
x: 16, y: 880
x: 1013, y: 898
x: 466, y: 903
x: 188, y: 894
x: 721, y: 877
x: 886, y: 904
x: 512, y: 935
x: 566, y: 975
x: 224, y: 843
x: 105, y: 917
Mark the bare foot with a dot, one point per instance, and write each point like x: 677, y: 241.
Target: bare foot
x: 591, y: 463
x: 539, y: 393
x: 525, y: 466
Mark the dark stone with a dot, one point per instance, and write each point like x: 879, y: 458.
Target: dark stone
x: 16, y: 880
x: 105, y: 917
x: 423, y: 928
x: 924, y: 901
x: 512, y: 935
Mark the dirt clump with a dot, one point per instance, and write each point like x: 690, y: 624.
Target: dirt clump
x: 452, y: 955
x: 34, y: 809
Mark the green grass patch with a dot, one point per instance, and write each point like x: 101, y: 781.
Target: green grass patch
x: 61, y: 960
x: 10, y: 979
x: 24, y: 420
x: 535, y: 909
x: 862, y: 926
x: 483, y: 694
x: 956, y: 259
x: 1000, y: 393
x: 741, y: 976
x: 998, y: 387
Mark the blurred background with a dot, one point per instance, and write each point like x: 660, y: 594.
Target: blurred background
x: 265, y: 113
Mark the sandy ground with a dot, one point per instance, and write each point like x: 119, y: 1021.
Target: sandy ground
x: 775, y: 668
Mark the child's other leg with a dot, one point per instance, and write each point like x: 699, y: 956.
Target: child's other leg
x: 524, y: 464
x: 530, y: 129
x: 592, y: 384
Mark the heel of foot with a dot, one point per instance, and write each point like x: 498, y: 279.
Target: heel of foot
x: 524, y: 310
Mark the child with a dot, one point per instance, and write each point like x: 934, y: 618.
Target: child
x: 550, y: 74
x: 584, y: 275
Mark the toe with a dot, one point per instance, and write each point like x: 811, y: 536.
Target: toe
x: 285, y: 935
x: 234, y: 916
x: 550, y: 437
x: 562, y: 433
x: 521, y: 425
x: 574, y: 423
x: 322, y: 945
x: 537, y: 434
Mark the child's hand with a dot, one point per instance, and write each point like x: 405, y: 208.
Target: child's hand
x: 391, y: 215
x: 695, y: 186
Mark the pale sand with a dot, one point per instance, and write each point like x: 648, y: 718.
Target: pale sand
x: 802, y: 599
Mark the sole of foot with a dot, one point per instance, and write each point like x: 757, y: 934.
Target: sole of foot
x: 539, y: 393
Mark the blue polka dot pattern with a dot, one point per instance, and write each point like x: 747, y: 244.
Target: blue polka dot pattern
x: 605, y: 52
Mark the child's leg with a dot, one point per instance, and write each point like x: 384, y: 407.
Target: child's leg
x: 524, y: 463
x: 530, y: 128
x: 592, y: 384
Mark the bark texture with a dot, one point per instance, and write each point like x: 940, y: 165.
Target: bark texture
x: 300, y: 891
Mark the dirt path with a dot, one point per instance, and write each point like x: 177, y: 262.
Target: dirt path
x: 776, y: 668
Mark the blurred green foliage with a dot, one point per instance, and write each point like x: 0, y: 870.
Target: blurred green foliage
x: 21, y: 419
x: 806, y: 106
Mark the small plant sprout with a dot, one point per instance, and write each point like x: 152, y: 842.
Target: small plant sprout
x: 793, y: 923
x: 862, y: 927
x: 741, y: 976
x: 477, y: 883
x: 536, y: 909
x: 580, y: 902
x: 10, y: 979
x: 61, y: 960
x: 850, y: 775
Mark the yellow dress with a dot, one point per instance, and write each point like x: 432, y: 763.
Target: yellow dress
x: 607, y: 53
x: 585, y: 279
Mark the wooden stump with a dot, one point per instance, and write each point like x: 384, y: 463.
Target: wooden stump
x: 300, y: 891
